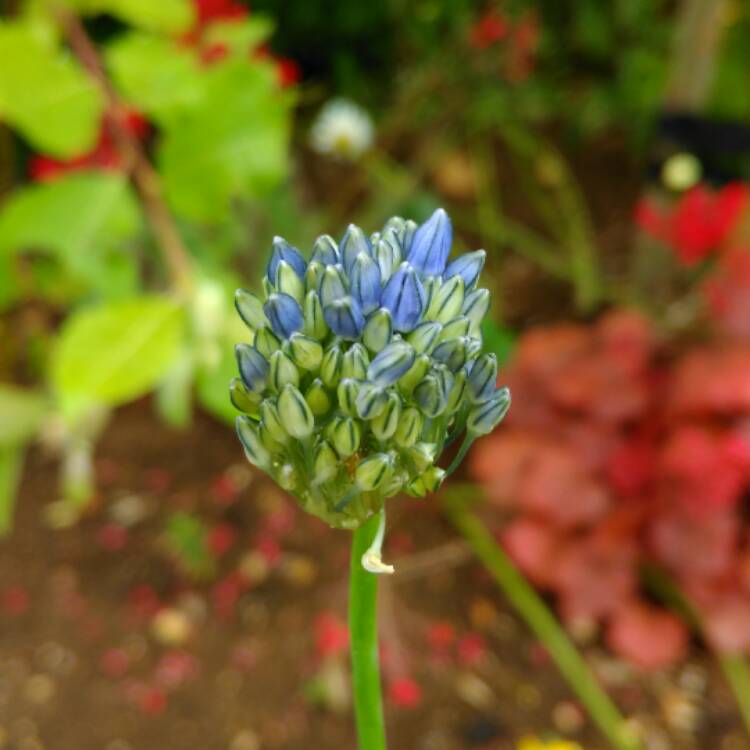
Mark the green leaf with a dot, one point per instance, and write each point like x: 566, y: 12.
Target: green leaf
x: 11, y: 462
x: 185, y: 537
x: 84, y: 219
x: 21, y: 413
x: 156, y: 74
x: 116, y: 352
x: 499, y: 340
x: 239, y: 36
x: 45, y: 93
x: 233, y: 145
x: 170, y: 16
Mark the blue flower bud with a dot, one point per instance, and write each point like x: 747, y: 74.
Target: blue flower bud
x: 430, y: 396
x: 407, y: 237
x: 467, y: 266
x: 409, y: 380
x: 384, y: 425
x: 371, y: 401
x: 355, y: 362
x: 372, y: 471
x: 288, y: 282
x: 455, y: 328
x: 314, y: 322
x: 295, y: 414
x: 345, y: 435
x: 409, y: 428
x: 473, y: 347
x: 447, y: 301
x: 271, y: 420
x: 475, y: 307
x: 365, y: 282
x: 284, y: 314
x: 317, y: 398
x: 306, y: 352
x: 256, y: 452
x: 344, y: 317
x: 387, y: 254
x: 333, y: 284
x: 458, y: 392
x: 325, y: 251
x: 431, y: 245
x: 391, y: 363
x: 352, y: 244
x: 330, y: 367
x: 378, y: 330
x: 250, y: 308
x: 325, y: 463
x: 404, y: 296
x: 422, y: 455
x: 445, y: 378
x: 244, y: 400
x: 266, y: 343
x: 253, y: 367
x: 424, y: 336
x: 483, y: 418
x: 483, y: 378
x: 396, y: 225
x: 347, y: 393
x: 282, y: 250
x: 451, y: 353
x: 313, y: 276
x: 282, y: 371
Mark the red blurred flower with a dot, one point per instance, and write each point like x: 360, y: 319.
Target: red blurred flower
x: 219, y: 10
x: 405, y: 693
x: 727, y: 292
x: 488, y: 29
x: 331, y: 635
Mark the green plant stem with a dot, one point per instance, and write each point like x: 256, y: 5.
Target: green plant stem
x: 539, y: 618
x: 363, y: 629
x: 462, y: 451
x: 737, y: 673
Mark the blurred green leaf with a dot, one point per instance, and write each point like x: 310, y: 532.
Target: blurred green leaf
x: 239, y: 36
x: 174, y: 397
x: 11, y: 462
x: 498, y: 339
x: 45, y: 93
x: 234, y: 145
x: 185, y: 537
x: 171, y: 16
x: 116, y: 352
x: 21, y: 413
x: 156, y: 74
x: 83, y: 218
x: 213, y: 387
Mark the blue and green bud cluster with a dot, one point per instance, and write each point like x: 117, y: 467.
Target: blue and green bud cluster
x: 365, y: 360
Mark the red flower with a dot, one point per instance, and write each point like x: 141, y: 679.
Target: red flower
x: 405, y: 693
x: 219, y: 10
x: 488, y: 29
x: 700, y: 222
x: 331, y: 635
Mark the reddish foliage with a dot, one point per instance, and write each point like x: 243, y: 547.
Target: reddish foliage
x: 616, y: 455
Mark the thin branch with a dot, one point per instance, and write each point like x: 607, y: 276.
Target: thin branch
x: 145, y: 177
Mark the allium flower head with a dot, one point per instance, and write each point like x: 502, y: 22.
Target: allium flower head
x: 342, y: 129
x: 365, y: 360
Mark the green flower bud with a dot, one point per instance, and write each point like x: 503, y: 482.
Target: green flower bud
x: 282, y: 371
x: 451, y: 353
x: 483, y: 418
x: 387, y: 254
x: 269, y: 415
x: 475, y: 307
x: 422, y: 455
x: 288, y: 282
x: 457, y: 393
x: 430, y: 396
x: 355, y: 362
x: 347, y: 393
x: 424, y: 336
x: 409, y: 427
x: 286, y: 476
x: 431, y: 286
x: 447, y: 301
x: 330, y: 367
x: 250, y: 309
x: 391, y: 363
x: 473, y: 347
x: 249, y: 436
x: 243, y: 399
x: 456, y: 328
x: 333, y: 285
x: 345, y: 435
x: 433, y: 478
x: 313, y: 275
x: 295, y: 414
x: 325, y: 463
x: 371, y: 401
x: 317, y: 398
x: 266, y: 342
x: 414, y: 375
x: 306, y: 352
x: 314, y: 322
x: 394, y: 483
x: 373, y: 471
x: 416, y: 488
x: 268, y: 288
x: 271, y: 444
x: 378, y: 330
x: 384, y: 425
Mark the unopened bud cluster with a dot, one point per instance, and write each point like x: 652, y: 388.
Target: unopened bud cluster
x: 365, y: 360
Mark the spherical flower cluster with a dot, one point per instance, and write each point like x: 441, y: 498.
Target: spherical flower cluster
x: 342, y: 129
x: 365, y: 361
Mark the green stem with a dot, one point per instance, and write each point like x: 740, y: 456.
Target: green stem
x: 363, y: 628
x: 737, y: 673
x: 539, y: 618
x: 462, y: 451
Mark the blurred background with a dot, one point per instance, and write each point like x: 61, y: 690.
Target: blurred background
x: 156, y: 591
